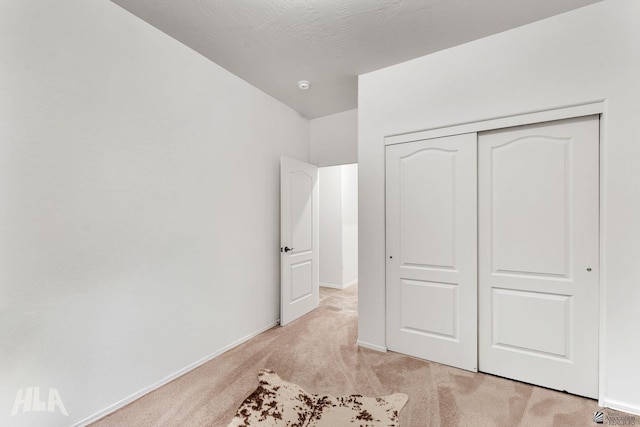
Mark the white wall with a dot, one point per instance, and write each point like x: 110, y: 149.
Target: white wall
x: 338, y: 225
x: 585, y: 55
x: 138, y: 180
x: 334, y: 139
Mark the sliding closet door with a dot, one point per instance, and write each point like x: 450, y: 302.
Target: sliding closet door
x: 431, y: 252
x: 538, y: 254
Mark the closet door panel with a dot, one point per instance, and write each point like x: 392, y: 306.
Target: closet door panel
x: 431, y: 250
x: 538, y: 192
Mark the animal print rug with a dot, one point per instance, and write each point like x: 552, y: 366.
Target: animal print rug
x: 278, y: 403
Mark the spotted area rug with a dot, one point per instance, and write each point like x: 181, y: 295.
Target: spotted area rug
x: 277, y: 403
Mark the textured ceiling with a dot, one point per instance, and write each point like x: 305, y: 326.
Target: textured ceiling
x: 273, y: 44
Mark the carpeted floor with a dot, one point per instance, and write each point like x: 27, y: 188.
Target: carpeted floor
x: 319, y: 353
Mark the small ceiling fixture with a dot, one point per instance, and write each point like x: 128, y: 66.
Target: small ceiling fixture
x: 304, y: 85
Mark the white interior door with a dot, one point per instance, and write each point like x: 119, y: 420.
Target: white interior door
x: 538, y: 254
x: 299, y: 285
x: 432, y: 250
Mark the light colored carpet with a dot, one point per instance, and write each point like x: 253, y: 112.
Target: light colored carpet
x: 319, y: 353
x: 278, y: 403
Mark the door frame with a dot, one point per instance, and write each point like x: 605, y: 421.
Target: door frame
x: 527, y: 118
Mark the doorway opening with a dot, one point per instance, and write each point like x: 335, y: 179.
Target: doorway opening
x: 338, y: 228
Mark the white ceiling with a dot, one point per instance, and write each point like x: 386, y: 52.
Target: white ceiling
x: 273, y: 44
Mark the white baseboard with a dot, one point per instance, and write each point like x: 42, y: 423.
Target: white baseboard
x: 330, y: 285
x: 351, y: 283
x: 621, y: 406
x: 334, y: 286
x: 100, y: 414
x: 372, y: 346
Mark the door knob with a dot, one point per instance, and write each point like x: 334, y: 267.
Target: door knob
x: 287, y: 249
